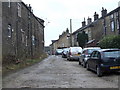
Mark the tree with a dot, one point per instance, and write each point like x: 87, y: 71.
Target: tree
x: 82, y: 39
x: 111, y: 41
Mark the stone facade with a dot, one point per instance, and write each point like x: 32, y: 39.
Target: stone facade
x: 111, y: 23
x: 62, y: 42
x: 22, y: 32
x: 107, y: 24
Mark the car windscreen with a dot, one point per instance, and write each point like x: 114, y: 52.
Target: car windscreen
x: 113, y: 54
x: 66, y: 49
x: 59, y: 50
x: 91, y: 50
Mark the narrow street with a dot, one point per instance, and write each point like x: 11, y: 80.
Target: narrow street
x: 56, y: 72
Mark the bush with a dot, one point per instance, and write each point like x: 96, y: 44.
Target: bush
x: 110, y: 42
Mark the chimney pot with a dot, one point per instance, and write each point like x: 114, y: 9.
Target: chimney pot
x: 89, y: 20
x: 84, y: 23
x: 104, y: 12
x: 96, y: 16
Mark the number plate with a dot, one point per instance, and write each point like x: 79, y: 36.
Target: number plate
x: 77, y: 54
x: 115, y: 67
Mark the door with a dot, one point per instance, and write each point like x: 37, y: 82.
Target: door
x: 95, y: 59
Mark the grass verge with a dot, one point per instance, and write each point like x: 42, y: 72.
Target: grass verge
x: 7, y: 69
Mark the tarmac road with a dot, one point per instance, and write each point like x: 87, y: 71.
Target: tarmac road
x: 56, y: 72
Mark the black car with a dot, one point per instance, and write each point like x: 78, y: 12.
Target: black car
x: 104, y: 60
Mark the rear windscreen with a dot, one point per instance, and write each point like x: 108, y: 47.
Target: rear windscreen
x: 113, y: 54
x: 76, y: 49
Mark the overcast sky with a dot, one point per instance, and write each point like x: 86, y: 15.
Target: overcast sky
x: 57, y: 13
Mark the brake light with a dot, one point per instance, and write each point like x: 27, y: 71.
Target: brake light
x: 70, y: 53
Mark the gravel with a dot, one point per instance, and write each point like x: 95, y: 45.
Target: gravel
x: 56, y: 72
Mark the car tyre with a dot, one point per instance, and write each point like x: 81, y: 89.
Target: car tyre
x: 87, y: 66
x: 84, y: 64
x: 99, y: 72
x: 79, y: 63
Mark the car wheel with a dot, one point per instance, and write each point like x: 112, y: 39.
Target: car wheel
x: 68, y: 59
x: 87, y: 66
x: 79, y: 63
x: 84, y: 64
x: 99, y: 72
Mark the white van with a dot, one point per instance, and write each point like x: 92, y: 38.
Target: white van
x: 74, y: 53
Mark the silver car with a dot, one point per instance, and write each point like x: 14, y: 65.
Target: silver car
x: 85, y: 55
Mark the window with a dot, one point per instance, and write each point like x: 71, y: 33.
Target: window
x: 33, y: 40
x: 117, y: 20
x: 95, y: 54
x: 26, y: 43
x: 29, y: 15
x: 23, y: 36
x: 112, y: 24
x: 113, y: 54
x: 9, y: 30
x: 19, y: 10
x: 112, y: 16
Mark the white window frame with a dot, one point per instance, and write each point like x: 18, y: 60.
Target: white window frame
x: 33, y: 40
x: 26, y: 41
x: 117, y: 24
x: 23, y: 36
x: 117, y: 21
x: 112, y: 16
x: 112, y: 26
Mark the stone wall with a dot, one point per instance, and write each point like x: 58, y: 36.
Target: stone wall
x: 23, y: 32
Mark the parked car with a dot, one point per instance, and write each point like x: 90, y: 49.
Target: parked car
x: 74, y: 53
x: 64, y: 53
x: 58, y: 51
x: 85, y: 55
x: 104, y: 60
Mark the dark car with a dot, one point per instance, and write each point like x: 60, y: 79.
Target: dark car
x: 64, y: 53
x: 58, y: 51
x: 85, y: 55
x: 104, y: 60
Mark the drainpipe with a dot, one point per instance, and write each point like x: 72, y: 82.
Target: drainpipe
x: 104, y: 26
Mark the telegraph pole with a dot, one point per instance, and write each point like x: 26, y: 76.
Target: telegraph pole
x: 71, y: 32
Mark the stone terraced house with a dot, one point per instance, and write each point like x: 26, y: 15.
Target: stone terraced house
x: 22, y: 32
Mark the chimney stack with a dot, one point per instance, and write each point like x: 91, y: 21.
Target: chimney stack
x: 96, y: 16
x: 104, y: 12
x: 30, y: 8
x: 89, y: 20
x: 84, y: 23
x: 119, y: 4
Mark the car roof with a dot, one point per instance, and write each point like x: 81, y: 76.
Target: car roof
x: 103, y: 50
x: 92, y: 48
x: 75, y: 47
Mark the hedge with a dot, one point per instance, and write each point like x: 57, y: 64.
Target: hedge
x: 110, y: 42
